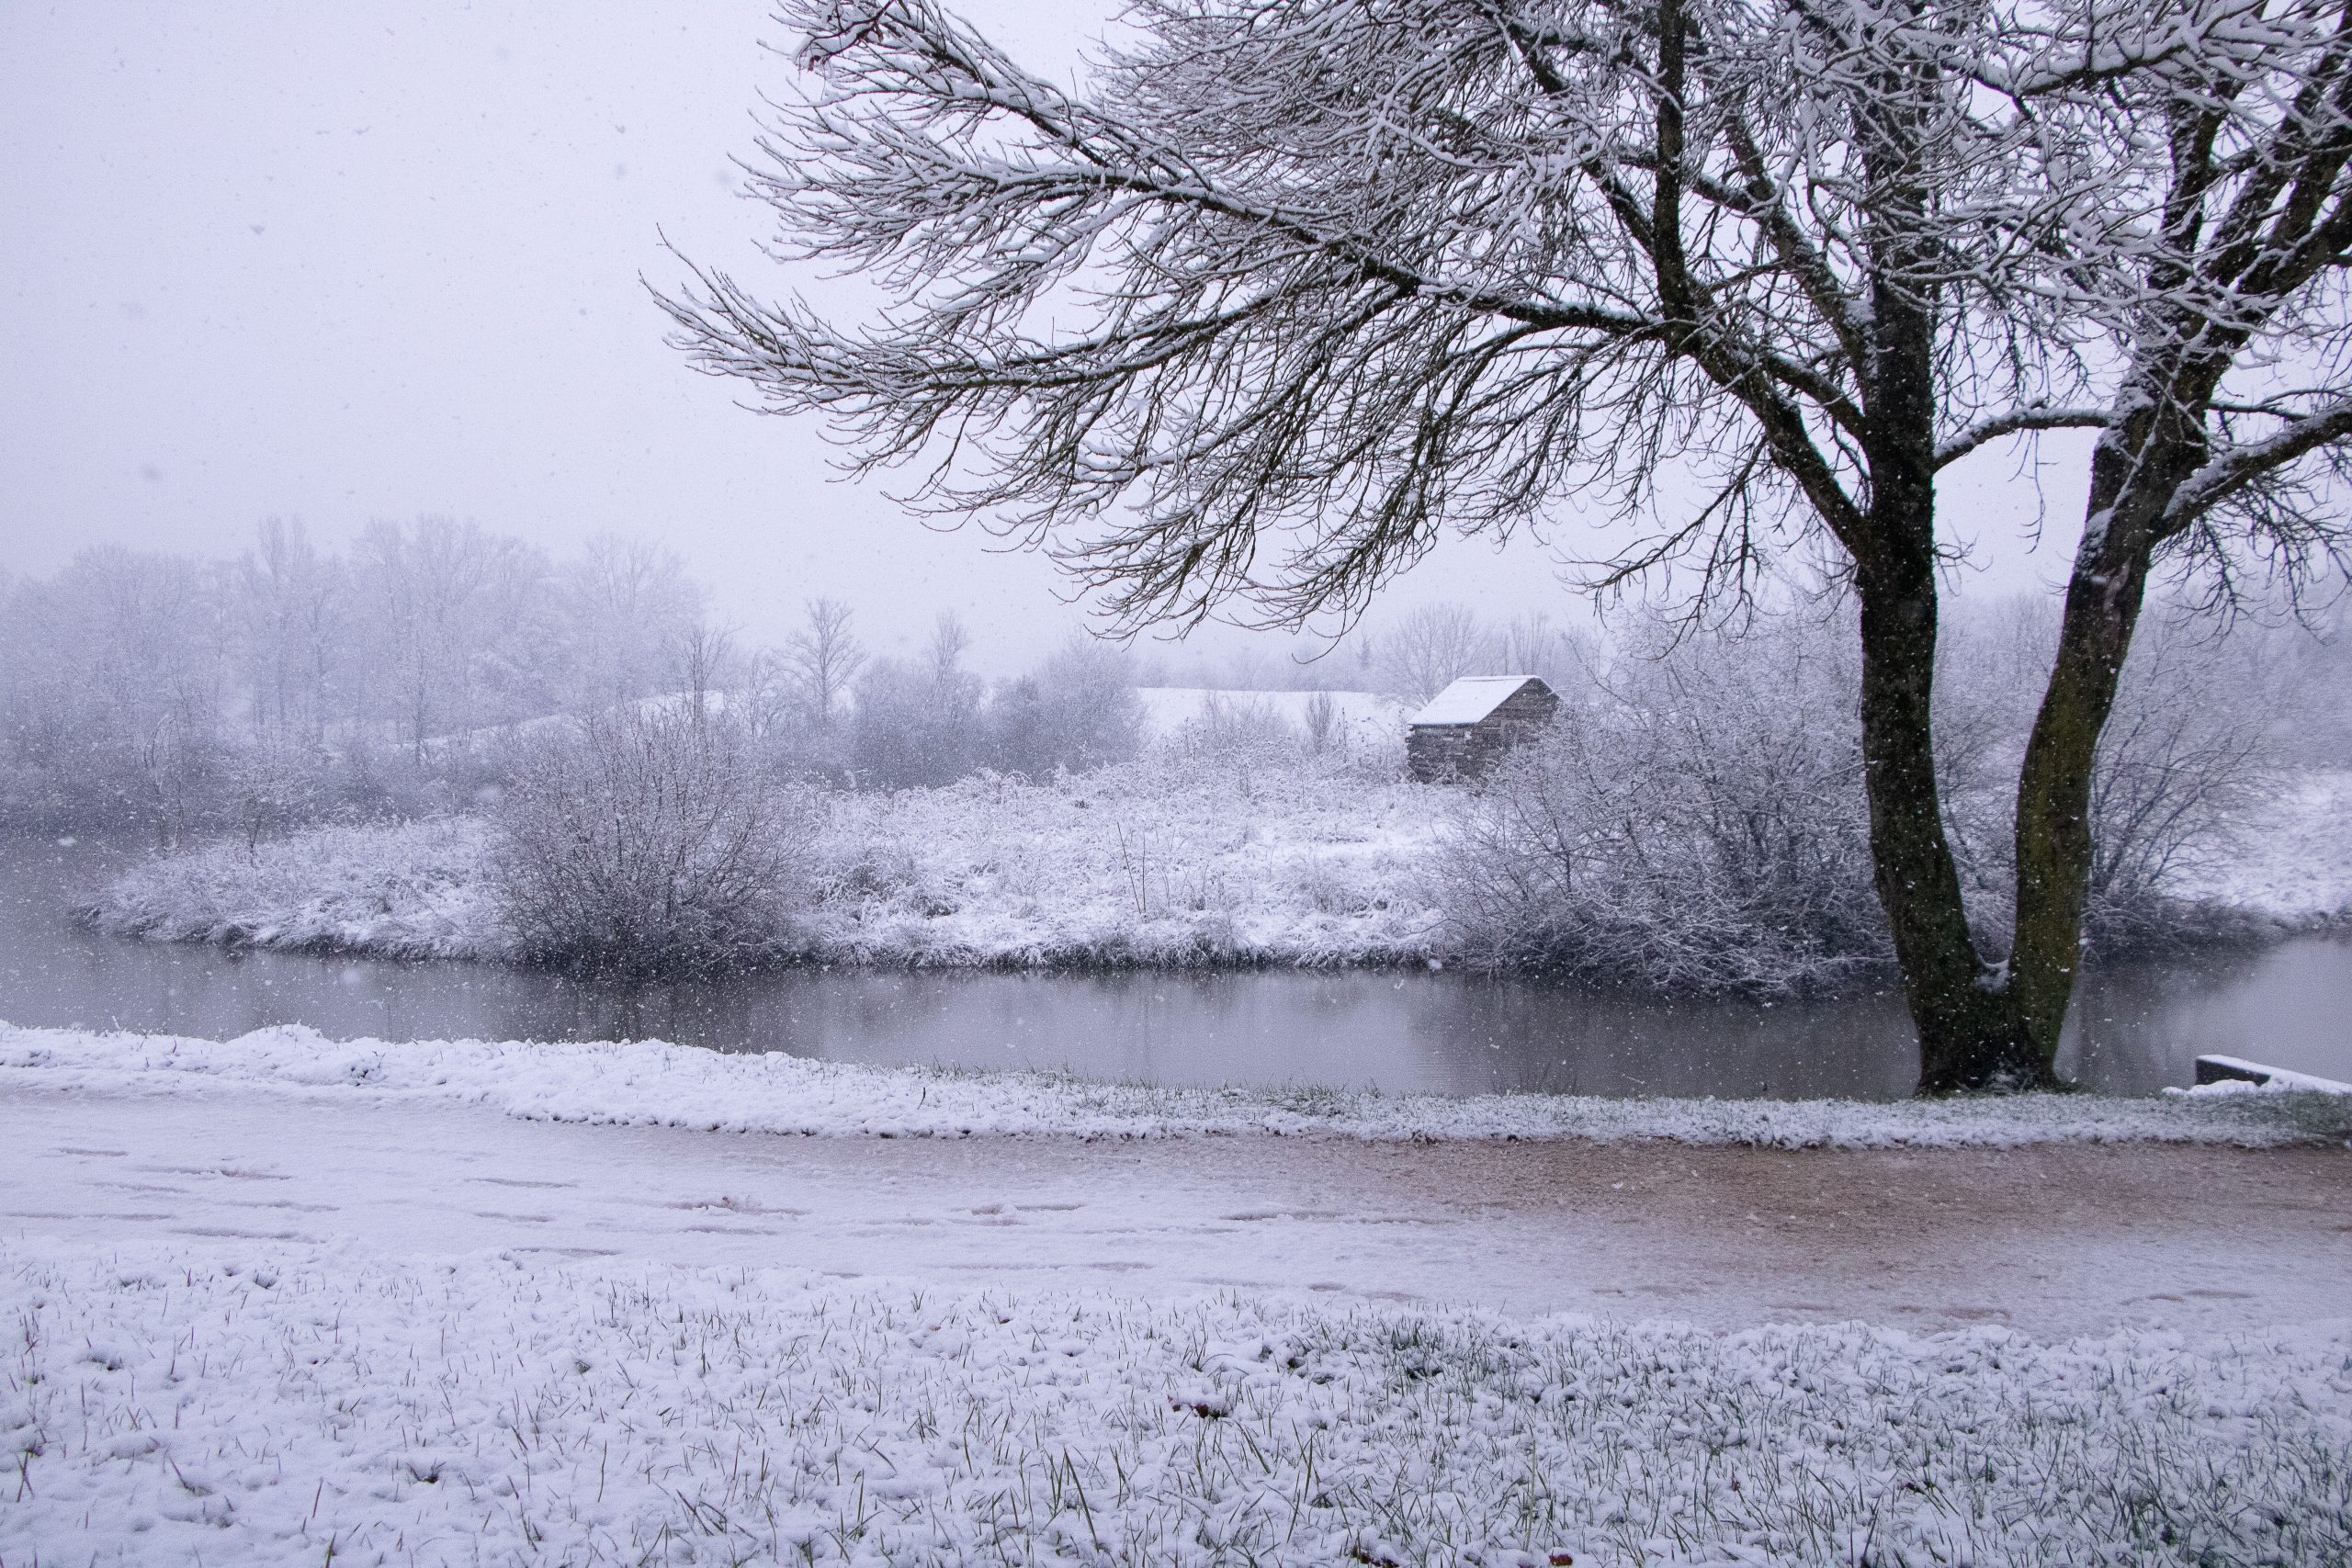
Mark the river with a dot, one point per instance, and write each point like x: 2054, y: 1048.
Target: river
x: 2136, y: 1027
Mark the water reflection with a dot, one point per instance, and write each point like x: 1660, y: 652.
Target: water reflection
x: 2136, y: 1027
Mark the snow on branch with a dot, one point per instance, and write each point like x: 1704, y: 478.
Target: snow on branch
x: 2236, y: 470
x: 2014, y: 421
x: 1282, y: 292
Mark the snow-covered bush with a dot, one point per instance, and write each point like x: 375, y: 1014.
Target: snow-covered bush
x: 1077, y: 712
x: 647, y: 841
x: 1700, y: 824
x: 1700, y: 827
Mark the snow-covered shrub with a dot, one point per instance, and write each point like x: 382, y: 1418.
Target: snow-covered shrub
x: 1236, y: 730
x: 1700, y: 828
x: 401, y: 889
x: 1077, y: 712
x: 648, y: 841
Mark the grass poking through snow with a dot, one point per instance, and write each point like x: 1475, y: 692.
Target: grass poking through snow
x: 263, y: 1407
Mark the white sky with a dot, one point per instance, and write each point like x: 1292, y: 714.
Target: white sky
x: 382, y: 257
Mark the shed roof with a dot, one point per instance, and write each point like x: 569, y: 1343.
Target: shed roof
x: 1472, y: 698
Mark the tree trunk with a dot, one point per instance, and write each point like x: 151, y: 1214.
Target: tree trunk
x: 2053, y: 826
x: 2133, y: 475
x: 1969, y: 1035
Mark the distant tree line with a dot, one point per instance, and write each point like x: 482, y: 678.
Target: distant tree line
x: 176, y: 693
x: 162, y: 693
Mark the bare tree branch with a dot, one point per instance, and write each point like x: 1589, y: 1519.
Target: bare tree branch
x: 2011, y: 421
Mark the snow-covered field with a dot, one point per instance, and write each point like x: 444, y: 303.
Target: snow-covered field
x: 1179, y: 861
x: 2292, y: 861
x: 1366, y: 720
x: 403, y: 890
x: 652, y: 1082
x: 267, y: 1404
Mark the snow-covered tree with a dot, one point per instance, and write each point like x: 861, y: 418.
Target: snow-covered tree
x: 1295, y: 284
x: 292, y: 606
x: 1078, y: 711
x: 454, y: 626
x: 627, y: 610
x: 1432, y: 647
x: 918, y: 724
x: 823, y: 659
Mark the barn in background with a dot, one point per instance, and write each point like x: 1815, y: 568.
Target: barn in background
x: 1465, y: 728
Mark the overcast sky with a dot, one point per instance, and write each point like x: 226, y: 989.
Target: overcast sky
x: 361, y: 260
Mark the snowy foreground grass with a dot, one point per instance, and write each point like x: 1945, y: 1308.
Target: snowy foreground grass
x: 235, y: 1402
x: 654, y: 1083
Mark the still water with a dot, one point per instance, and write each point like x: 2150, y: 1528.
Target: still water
x: 2135, y: 1027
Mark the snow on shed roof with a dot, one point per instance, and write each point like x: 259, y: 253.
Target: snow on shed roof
x: 1471, y: 699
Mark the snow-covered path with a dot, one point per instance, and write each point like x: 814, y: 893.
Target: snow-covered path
x: 2056, y: 1240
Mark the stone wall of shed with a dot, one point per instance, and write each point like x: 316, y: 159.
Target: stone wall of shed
x: 1445, y: 753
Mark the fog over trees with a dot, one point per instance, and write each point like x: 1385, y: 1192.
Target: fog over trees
x: 180, y: 696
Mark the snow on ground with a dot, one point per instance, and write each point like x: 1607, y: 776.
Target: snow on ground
x: 2292, y: 859
x: 1230, y: 858
x: 403, y: 890
x: 260, y: 1403
x: 1174, y: 860
x: 282, y: 1301
x: 656, y: 1083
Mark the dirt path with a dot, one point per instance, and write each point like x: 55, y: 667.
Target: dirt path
x: 2054, y: 1240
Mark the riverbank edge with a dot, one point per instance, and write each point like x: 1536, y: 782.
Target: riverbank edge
x: 2209, y: 929
x: 415, y: 894
x: 657, y: 1083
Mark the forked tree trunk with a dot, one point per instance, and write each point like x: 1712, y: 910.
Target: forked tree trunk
x: 1982, y: 1028
x: 1970, y: 1035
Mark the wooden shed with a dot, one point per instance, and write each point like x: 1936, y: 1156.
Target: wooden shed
x: 1465, y: 728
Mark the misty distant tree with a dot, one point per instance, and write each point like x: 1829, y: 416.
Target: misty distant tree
x: 1078, y: 711
x: 824, y: 657
x: 1297, y: 283
x: 293, y: 604
x: 627, y: 607
x: 156, y: 689
x: 1531, y: 644
x: 918, y: 724
x: 1432, y: 647
x: 454, y: 626
x: 703, y: 660
x: 117, y: 673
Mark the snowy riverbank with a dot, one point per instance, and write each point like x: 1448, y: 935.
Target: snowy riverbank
x: 264, y: 1403
x: 278, y: 1298
x: 1176, y: 862
x: 654, y: 1083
